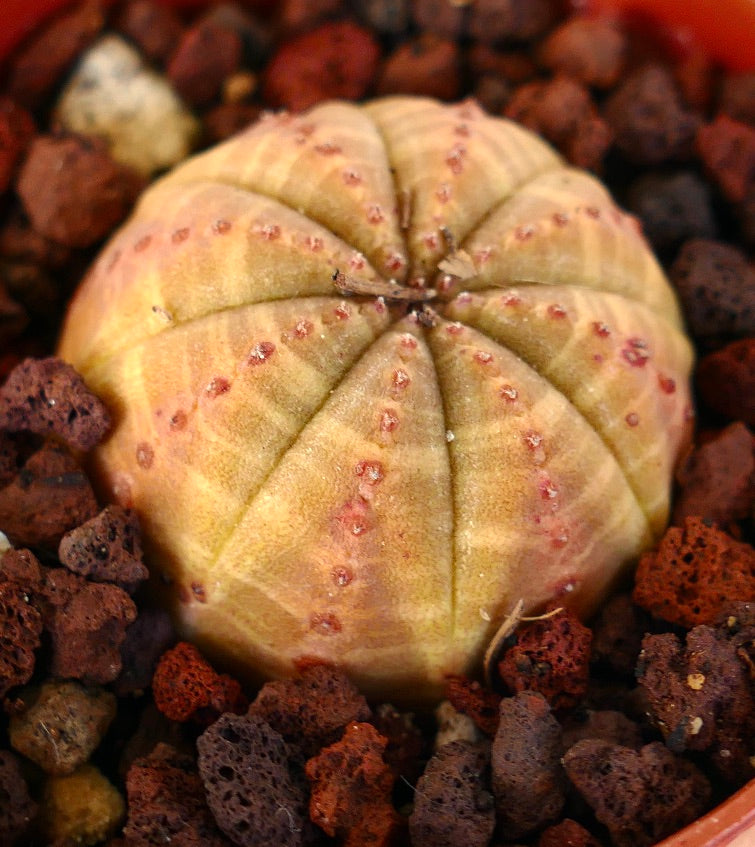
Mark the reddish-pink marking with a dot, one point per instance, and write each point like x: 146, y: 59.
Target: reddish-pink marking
x: 388, y: 420
x: 455, y: 159
x: 353, y: 517
x: 395, y: 262
x: 370, y: 471
x: 325, y: 623
x: 327, y: 148
x: 375, y: 214
x: 401, y: 378
x: 600, y: 329
x: 221, y: 227
x: 145, y: 455
x: 357, y: 262
x: 260, y: 353
x: 431, y: 240
x: 178, y: 420
x: 270, y: 232
x: 532, y: 439
x: 524, y: 232
x: 559, y: 538
x: 444, y: 193
x: 303, y: 328
x: 216, y: 386
x: 113, y: 261
x: 667, y: 384
x: 342, y: 576
x: 636, y: 352
x: 556, y: 310
x: 548, y: 489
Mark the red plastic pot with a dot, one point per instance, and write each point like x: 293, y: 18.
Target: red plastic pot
x: 726, y: 29
x: 732, y: 824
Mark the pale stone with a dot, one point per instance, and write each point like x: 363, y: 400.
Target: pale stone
x: 113, y: 93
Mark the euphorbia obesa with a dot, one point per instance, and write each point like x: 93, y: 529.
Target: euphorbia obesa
x: 377, y: 373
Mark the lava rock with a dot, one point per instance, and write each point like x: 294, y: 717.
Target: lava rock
x: 640, y: 796
x: 59, y: 725
x: 695, y: 572
x: 47, y: 396
x: 452, y: 803
x: 166, y: 801
x: 310, y: 711
x: 106, y: 548
x: 252, y: 793
x: 527, y: 777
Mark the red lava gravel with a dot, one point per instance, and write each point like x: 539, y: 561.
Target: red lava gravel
x: 615, y: 731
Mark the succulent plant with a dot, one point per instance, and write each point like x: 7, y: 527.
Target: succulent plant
x: 378, y: 372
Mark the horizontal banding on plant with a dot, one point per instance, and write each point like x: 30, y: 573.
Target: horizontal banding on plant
x: 344, y: 346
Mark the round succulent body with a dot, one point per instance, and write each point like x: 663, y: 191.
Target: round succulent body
x: 378, y: 372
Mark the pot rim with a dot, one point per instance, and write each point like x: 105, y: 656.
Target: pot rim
x: 731, y: 824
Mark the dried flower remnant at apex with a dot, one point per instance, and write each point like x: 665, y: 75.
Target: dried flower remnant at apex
x: 429, y: 383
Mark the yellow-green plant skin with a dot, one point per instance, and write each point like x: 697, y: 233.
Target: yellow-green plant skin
x: 336, y: 476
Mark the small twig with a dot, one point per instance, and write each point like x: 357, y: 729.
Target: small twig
x: 380, y: 288
x: 413, y: 787
x: 52, y: 739
x: 163, y: 314
x: 291, y: 825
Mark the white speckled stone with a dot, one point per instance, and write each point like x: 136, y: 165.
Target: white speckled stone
x: 112, y: 93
